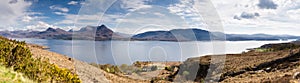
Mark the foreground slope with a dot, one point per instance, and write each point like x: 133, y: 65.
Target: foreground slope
x: 10, y: 76
x: 86, y: 72
x: 271, y: 63
x: 16, y: 55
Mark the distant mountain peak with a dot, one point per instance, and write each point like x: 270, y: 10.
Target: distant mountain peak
x: 71, y: 30
x: 94, y: 28
x: 51, y: 29
x: 102, y: 32
x: 103, y: 28
x: 102, y: 25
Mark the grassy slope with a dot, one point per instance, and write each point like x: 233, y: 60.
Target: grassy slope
x: 16, y: 55
x: 10, y: 76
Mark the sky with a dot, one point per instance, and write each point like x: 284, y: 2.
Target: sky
x: 137, y: 16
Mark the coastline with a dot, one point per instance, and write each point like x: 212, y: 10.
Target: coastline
x: 86, y: 72
x: 262, y: 66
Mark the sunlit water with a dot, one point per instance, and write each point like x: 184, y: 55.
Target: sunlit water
x: 126, y: 52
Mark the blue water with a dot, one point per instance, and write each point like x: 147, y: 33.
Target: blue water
x: 126, y: 52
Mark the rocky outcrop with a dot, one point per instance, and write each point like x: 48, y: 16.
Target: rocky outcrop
x: 272, y: 66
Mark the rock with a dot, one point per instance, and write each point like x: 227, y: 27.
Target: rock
x: 252, y: 72
x: 259, y: 71
x: 268, y: 69
x: 255, y: 72
x: 70, y: 59
x: 296, y: 75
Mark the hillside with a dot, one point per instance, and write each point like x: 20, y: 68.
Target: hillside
x: 10, y: 76
x: 272, y: 63
x: 16, y: 55
x: 203, y: 35
x: 40, y: 65
x: 98, y: 33
x: 177, y: 35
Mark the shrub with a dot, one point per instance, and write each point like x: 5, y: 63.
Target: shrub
x: 15, y: 54
x: 7, y: 75
x: 154, y: 68
x: 108, y: 68
x: 170, y: 68
x: 137, y: 64
x: 123, y: 66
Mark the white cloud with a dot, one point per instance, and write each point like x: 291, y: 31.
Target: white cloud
x: 34, y: 13
x: 133, y: 5
x: 84, y: 20
x: 140, y: 14
x: 188, y: 10
x: 40, y: 26
x: 32, y: 17
x: 27, y: 18
x: 282, y: 20
x: 90, y: 7
x: 62, y: 9
x: 12, y: 12
x: 294, y: 14
x: 73, y: 3
x: 270, y: 21
x: 71, y: 18
x: 155, y: 18
x: 159, y: 14
x: 60, y: 13
x: 90, y: 13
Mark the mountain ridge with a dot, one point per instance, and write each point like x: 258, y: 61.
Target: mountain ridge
x: 103, y: 33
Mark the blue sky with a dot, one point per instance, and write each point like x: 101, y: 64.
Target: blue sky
x: 53, y: 10
x: 136, y: 16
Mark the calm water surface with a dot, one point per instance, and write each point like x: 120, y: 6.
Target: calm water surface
x: 126, y: 52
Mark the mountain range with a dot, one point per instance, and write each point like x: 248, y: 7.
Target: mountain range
x: 102, y: 33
